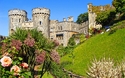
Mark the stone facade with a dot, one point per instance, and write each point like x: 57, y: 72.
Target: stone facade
x: 92, y: 13
x: 52, y: 29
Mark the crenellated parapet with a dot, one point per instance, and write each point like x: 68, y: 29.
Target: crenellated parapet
x: 93, y: 11
x: 53, y: 29
x: 17, y: 12
x: 41, y: 11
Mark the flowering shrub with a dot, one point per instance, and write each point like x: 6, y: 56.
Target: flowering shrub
x: 56, y: 43
x: 40, y: 58
x: 9, y: 68
x: 95, y: 31
x: 55, y: 56
x: 23, y: 50
x: 104, y: 68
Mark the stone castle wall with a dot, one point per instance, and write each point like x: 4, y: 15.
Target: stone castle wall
x: 16, y: 18
x: 92, y: 14
x: 41, y: 20
x: 52, y: 29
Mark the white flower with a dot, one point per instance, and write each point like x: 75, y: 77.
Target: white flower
x: 6, y: 61
x: 16, y: 70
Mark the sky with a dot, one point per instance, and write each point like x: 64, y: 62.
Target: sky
x: 59, y: 9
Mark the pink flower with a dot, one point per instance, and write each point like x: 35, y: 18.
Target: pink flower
x: 29, y: 41
x: 16, y: 70
x: 17, y: 44
x: 6, y: 61
x: 40, y: 58
x: 55, y: 56
x: 24, y: 65
x: 56, y: 43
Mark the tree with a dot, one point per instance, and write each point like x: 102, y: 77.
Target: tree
x: 119, y: 5
x: 106, y: 17
x: 82, y: 18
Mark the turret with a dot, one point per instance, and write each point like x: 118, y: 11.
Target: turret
x: 41, y: 20
x: 16, y: 18
x: 89, y: 6
x: 70, y: 19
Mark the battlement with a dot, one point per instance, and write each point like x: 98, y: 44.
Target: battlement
x: 27, y: 24
x: 97, y: 9
x: 17, y: 12
x: 41, y: 11
x: 70, y: 18
x: 53, y: 21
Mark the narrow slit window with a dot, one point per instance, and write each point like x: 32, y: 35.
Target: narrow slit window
x: 19, y: 20
x: 12, y: 19
x: 61, y: 28
x: 40, y: 23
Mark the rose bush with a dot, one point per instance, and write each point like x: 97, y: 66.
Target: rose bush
x: 23, y: 50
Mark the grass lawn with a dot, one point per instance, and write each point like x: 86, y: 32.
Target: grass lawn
x: 101, y: 45
x: 47, y: 75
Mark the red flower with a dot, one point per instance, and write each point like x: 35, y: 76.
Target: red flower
x: 24, y: 65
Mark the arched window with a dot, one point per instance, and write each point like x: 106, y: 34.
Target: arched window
x: 12, y: 30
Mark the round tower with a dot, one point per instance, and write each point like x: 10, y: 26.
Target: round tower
x: 16, y: 18
x: 41, y: 20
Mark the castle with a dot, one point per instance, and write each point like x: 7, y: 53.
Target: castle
x: 93, y: 12
x: 52, y: 29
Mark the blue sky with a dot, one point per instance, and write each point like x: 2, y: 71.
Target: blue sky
x: 59, y: 9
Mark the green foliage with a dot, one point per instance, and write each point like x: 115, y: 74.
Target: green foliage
x: 119, y: 5
x: 29, y: 46
x: 82, y: 38
x: 71, y: 42
x: 57, y: 71
x: 82, y: 18
x: 101, y: 45
x: 65, y: 50
x: 106, y: 17
x: 47, y: 75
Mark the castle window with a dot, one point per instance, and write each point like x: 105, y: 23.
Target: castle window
x: 12, y: 30
x: 44, y: 17
x: 40, y: 31
x: 12, y: 19
x: 60, y: 27
x: 59, y: 36
x: 40, y: 23
x: 19, y: 20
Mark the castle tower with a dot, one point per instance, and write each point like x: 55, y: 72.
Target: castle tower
x: 41, y: 20
x: 16, y: 18
x: 91, y: 16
